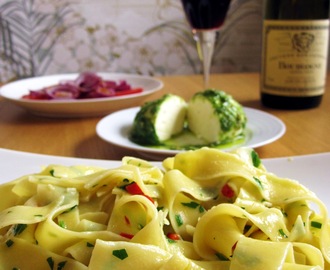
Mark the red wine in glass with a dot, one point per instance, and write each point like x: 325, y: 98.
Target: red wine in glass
x: 205, y: 14
x: 205, y: 18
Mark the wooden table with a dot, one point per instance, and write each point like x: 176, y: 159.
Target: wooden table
x: 308, y: 131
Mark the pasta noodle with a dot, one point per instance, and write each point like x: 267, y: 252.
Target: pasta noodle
x: 204, y: 209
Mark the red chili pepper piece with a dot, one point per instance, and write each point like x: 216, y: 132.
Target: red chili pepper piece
x: 127, y: 220
x: 128, y: 92
x: 126, y: 235
x: 233, y: 247
x: 134, y: 189
x: 227, y: 191
x: 173, y: 236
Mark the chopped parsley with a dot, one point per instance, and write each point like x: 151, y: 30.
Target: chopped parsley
x: 221, y: 257
x: 255, y: 159
x: 18, y: 229
x: 9, y: 243
x: 316, y: 224
x: 120, y: 253
x: 194, y: 205
x: 179, y: 220
x: 62, y: 224
x: 51, y: 264
x: 191, y: 204
x: 282, y: 233
x: 258, y: 182
x: 171, y: 241
x: 70, y: 209
x: 61, y: 265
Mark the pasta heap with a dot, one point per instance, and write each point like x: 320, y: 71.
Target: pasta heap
x: 205, y: 209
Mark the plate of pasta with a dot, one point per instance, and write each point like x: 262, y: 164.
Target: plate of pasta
x: 262, y: 128
x: 201, y: 209
x: 80, y: 95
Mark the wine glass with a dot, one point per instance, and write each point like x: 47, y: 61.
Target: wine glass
x: 205, y: 18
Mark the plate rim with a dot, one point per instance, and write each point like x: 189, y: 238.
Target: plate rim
x: 140, y: 148
x: 292, y: 167
x: 4, y: 94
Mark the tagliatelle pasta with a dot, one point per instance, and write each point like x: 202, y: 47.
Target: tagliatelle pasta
x: 205, y: 209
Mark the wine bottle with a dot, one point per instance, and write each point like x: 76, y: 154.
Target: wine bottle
x: 294, y: 53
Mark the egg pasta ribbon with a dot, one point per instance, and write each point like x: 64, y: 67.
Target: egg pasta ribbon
x: 203, y: 209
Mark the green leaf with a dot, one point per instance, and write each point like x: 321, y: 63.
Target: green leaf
x: 50, y: 262
x: 316, y: 224
x: 179, y: 220
x: 221, y: 257
x: 191, y: 204
x: 282, y: 233
x: 9, y: 243
x: 120, y: 253
x: 258, y: 182
x: 255, y: 159
x: 61, y: 265
x: 18, y: 229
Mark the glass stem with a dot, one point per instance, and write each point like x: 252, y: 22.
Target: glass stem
x: 205, y: 46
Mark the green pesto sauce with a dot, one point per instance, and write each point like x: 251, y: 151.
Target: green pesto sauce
x: 188, y: 141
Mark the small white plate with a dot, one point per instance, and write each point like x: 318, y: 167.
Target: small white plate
x: 78, y: 108
x: 310, y: 170
x: 263, y: 128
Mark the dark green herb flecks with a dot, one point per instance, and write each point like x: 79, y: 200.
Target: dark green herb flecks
x: 89, y: 244
x: 62, y: 224
x: 316, y: 224
x: 179, y: 220
x: 194, y: 205
x: 258, y: 182
x: 51, y: 264
x: 221, y: 257
x: 61, y: 265
x: 171, y: 241
x: 255, y: 159
x: 191, y: 204
x: 120, y: 254
x: 9, y: 243
x: 70, y: 209
x: 18, y: 229
x: 282, y: 233
x: 52, y: 172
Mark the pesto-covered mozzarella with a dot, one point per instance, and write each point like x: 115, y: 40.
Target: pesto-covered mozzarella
x: 215, y: 116
x: 159, y: 120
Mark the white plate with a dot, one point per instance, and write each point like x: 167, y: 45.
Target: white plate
x: 78, y: 108
x: 311, y: 170
x: 263, y: 128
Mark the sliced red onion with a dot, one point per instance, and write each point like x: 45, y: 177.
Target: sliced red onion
x: 101, y: 92
x: 123, y: 85
x: 62, y: 91
x: 86, y: 85
x: 88, y: 81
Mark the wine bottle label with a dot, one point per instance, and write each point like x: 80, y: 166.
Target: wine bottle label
x: 294, y: 57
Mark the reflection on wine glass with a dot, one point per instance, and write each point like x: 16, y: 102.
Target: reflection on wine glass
x: 205, y: 18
